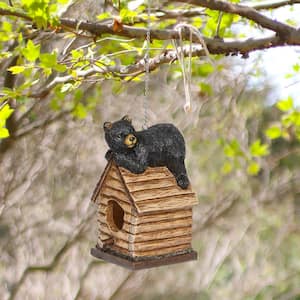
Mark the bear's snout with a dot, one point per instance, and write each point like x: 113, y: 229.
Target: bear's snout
x: 130, y: 140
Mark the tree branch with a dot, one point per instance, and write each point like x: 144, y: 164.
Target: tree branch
x: 168, y: 56
x: 285, y: 35
x: 14, y: 13
x: 98, y: 29
x: 244, y: 11
x: 272, y: 4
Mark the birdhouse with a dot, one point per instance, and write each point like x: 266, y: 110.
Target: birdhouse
x: 145, y: 220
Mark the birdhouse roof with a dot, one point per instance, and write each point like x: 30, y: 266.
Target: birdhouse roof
x: 154, y: 190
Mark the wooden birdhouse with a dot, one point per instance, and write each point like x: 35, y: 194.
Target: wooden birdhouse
x: 145, y: 220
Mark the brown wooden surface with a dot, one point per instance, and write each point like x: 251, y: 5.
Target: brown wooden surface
x: 150, y: 262
x: 157, y: 213
x: 132, y: 218
x: 162, y: 234
x: 151, y: 184
x: 167, y: 203
x: 99, y: 184
x: 114, y: 183
x: 111, y: 193
x: 164, y: 225
x: 121, y: 234
x: 153, y: 191
x: 126, y: 206
x: 162, y: 243
x: 154, y: 235
x: 149, y: 174
x: 161, y: 216
x: 161, y: 251
x: 160, y: 192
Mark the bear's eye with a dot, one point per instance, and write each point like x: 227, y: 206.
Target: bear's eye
x: 119, y: 136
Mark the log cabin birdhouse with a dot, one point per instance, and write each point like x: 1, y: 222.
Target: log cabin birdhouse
x: 145, y: 220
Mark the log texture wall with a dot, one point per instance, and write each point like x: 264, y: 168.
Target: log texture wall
x: 157, y: 213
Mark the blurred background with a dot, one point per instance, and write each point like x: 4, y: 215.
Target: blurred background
x: 246, y: 226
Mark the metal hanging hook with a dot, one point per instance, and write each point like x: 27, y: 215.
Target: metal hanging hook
x: 147, y: 67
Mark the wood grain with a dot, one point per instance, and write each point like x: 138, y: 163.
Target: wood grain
x: 118, y: 241
x: 161, y: 216
x: 111, y: 192
x: 160, y: 236
x: 150, y: 184
x: 157, y: 213
x: 129, y: 178
x: 160, y: 192
x: 150, y: 226
x: 114, y: 172
x: 120, y: 250
x: 167, y: 203
x: 161, y: 251
x: 163, y: 225
x: 121, y: 234
x: 159, y: 244
x: 114, y: 183
x: 148, y: 171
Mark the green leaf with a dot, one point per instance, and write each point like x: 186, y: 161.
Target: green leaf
x: 67, y: 87
x: 289, y: 75
x: 5, y: 112
x: 4, y: 133
x: 285, y: 105
x: 253, y: 168
x: 273, y: 132
x: 127, y: 16
x: 233, y: 149
x: 103, y: 16
x: 80, y: 111
x: 16, y: 69
x: 197, y: 22
x: 6, y: 26
x: 292, y: 118
x: 127, y: 46
x: 48, y: 60
x: 77, y: 54
x: 55, y: 104
x: 206, y: 88
x: 296, y: 67
x: 31, y: 52
x: 258, y: 149
x: 295, y: 118
x: 60, y: 68
x: 204, y: 70
x: 3, y: 5
x: 227, y: 167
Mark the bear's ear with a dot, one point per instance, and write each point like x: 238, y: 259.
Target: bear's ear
x: 126, y: 118
x: 107, y: 126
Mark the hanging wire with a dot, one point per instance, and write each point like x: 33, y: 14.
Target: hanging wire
x: 180, y: 52
x: 147, y: 68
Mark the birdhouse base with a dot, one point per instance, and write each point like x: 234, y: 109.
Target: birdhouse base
x: 144, y: 262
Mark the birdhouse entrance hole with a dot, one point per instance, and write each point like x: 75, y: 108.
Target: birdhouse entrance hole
x: 115, y: 216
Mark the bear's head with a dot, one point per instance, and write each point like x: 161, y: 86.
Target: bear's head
x: 120, y: 135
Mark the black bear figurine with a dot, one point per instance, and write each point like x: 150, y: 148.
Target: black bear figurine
x: 159, y: 145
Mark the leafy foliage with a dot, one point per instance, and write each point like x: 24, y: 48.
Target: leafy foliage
x: 237, y: 157
x: 289, y: 125
x: 5, y: 112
